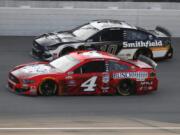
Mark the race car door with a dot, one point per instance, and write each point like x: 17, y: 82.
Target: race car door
x: 90, y: 78
x: 109, y: 40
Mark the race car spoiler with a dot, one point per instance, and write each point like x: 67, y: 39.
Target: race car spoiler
x: 147, y: 60
x: 163, y: 30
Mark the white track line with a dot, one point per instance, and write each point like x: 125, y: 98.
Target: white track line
x: 93, y: 128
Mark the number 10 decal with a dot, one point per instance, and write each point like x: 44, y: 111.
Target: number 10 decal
x: 90, y: 84
x: 109, y: 48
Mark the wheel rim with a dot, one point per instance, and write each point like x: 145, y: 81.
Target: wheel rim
x: 48, y: 88
x: 124, y: 89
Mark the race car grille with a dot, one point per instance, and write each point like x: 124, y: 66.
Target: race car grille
x: 38, y: 47
x: 13, y: 78
x: 37, y: 50
x: 19, y: 90
x: 36, y: 53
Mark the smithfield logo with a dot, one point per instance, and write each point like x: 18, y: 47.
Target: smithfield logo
x: 137, y: 44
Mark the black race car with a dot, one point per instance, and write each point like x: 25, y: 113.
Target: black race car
x: 113, y: 36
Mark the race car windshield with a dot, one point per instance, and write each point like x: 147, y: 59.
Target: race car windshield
x: 64, y: 63
x: 85, y: 32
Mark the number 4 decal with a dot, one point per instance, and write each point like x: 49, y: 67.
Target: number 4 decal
x: 89, y: 84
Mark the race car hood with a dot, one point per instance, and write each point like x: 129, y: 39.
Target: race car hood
x: 33, y: 70
x: 50, y: 39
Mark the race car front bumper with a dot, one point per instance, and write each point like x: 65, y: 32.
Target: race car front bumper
x: 39, y: 52
x: 41, y: 55
x: 19, y: 88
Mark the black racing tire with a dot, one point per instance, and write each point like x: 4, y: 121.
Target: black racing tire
x: 48, y: 87
x: 145, y: 52
x: 126, y: 87
x: 66, y: 51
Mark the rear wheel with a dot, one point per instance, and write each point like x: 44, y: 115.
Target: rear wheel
x: 126, y: 87
x: 144, y: 52
x: 48, y: 88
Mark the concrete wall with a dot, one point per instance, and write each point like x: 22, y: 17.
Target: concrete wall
x: 85, y: 4
x: 34, y: 21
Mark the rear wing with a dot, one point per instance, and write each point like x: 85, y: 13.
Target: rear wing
x: 147, y: 60
x: 164, y: 30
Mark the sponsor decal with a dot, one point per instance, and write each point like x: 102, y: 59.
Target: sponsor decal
x: 137, y: 44
x: 105, y: 78
x: 68, y: 77
x: 92, y: 54
x: 137, y: 75
x: 71, y: 83
x: 41, y: 68
x: 105, y: 89
x: 147, y: 83
x: 55, y: 55
x: 33, y: 90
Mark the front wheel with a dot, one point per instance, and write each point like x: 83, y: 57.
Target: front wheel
x: 126, y: 87
x: 48, y: 88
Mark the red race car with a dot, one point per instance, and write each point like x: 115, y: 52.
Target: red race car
x: 85, y: 73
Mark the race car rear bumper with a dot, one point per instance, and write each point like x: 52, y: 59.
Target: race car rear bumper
x: 169, y: 54
x: 147, y: 86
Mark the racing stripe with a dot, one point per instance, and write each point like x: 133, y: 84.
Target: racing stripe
x: 159, y: 52
x: 160, y: 48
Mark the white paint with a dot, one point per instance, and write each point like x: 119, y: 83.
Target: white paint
x: 159, y: 54
x: 90, y: 128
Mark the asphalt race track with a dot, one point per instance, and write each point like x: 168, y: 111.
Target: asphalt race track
x: 158, y: 109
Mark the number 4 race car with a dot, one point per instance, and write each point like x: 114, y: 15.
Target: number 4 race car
x: 113, y: 36
x: 85, y: 73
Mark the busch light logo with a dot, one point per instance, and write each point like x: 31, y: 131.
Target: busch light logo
x: 137, y: 75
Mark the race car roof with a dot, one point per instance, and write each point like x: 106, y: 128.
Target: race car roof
x: 84, y: 55
x: 103, y: 24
